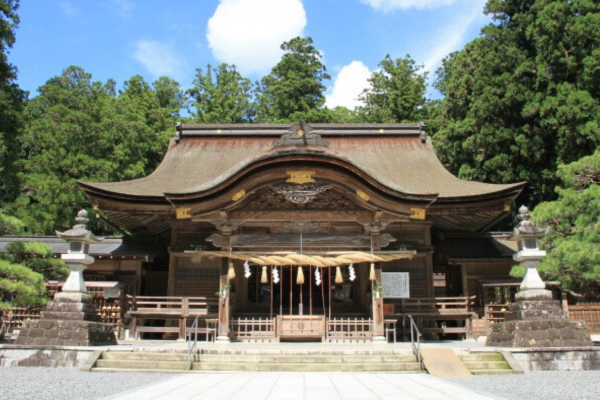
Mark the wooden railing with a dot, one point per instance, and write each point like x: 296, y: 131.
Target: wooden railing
x: 439, y: 315
x: 252, y: 328
x: 590, y: 313
x: 167, y: 308
x: 349, y: 328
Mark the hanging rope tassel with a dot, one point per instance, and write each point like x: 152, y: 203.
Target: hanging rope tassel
x: 300, y: 278
x: 372, y: 272
x: 231, y: 271
x: 338, y: 275
x: 263, y: 276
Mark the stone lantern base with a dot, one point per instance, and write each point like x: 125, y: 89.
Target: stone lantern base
x: 538, y: 323
x: 69, y: 320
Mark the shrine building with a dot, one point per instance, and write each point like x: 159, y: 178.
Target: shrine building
x: 310, y: 222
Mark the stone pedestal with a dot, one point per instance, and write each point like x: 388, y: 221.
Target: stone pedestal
x: 69, y: 320
x: 538, y: 323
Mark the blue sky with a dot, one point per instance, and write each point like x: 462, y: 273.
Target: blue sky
x: 121, y: 38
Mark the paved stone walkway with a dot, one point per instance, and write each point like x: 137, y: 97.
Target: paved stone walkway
x: 309, y: 385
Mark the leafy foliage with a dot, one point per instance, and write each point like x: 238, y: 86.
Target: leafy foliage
x: 37, y: 257
x: 12, y: 100
x: 525, y: 97
x: 396, y: 92
x: 222, y: 95
x: 78, y: 129
x: 573, y: 244
x: 294, y: 88
x: 9, y: 224
x: 20, y: 286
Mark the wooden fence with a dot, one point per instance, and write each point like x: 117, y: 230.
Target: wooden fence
x: 349, y: 328
x: 590, y: 313
x: 252, y: 328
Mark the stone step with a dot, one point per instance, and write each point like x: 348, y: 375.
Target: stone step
x: 313, y: 352
x: 481, y: 357
x: 143, y: 370
x: 288, y: 358
x: 281, y: 358
x: 139, y: 355
x: 271, y: 361
x: 489, y: 363
x: 142, y: 364
x: 307, y: 367
x: 479, y: 365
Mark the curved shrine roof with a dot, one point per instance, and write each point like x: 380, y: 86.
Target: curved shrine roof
x: 398, y: 156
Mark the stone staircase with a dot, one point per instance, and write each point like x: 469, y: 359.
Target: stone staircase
x: 486, y: 363
x: 259, y: 360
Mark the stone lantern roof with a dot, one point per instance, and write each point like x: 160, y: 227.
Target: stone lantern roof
x: 79, y: 232
x: 526, y: 227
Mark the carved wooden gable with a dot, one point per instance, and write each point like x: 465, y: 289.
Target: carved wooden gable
x: 294, y: 197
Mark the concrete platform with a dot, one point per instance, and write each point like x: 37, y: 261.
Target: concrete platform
x: 309, y: 385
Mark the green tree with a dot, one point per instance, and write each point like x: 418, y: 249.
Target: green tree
x: 342, y: 115
x: 20, y: 286
x: 37, y: 257
x: 221, y: 95
x: 396, y: 92
x: 573, y: 243
x: 294, y: 89
x: 78, y: 129
x: 12, y: 101
x: 523, y: 98
x: 9, y: 224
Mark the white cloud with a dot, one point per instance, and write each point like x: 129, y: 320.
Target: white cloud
x: 452, y: 36
x: 389, y: 5
x: 68, y: 8
x: 122, y: 7
x: 348, y: 85
x: 249, y: 33
x: 159, y: 59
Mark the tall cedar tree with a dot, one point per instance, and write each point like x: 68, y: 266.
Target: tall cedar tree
x: 12, y: 101
x: 294, y: 89
x: 525, y: 97
x: 396, y: 92
x: 78, y: 129
x: 221, y: 96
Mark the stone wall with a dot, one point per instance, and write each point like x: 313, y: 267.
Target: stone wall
x: 48, y: 356
x: 65, y: 333
x: 558, y: 359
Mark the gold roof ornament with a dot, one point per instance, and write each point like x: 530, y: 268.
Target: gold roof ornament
x: 363, y: 195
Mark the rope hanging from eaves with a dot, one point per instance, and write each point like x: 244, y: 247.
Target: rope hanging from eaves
x: 325, y: 260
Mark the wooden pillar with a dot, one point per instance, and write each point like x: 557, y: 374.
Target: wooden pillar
x: 223, y: 330
x: 378, y: 329
x: 171, y: 280
x: 429, y: 290
x: 172, y: 275
x: 465, y: 280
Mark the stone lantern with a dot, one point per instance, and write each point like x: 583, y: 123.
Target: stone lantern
x: 77, y: 257
x: 70, y: 319
x: 527, y: 235
x: 535, y: 319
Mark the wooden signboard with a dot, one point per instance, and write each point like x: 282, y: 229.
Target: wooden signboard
x: 395, y: 285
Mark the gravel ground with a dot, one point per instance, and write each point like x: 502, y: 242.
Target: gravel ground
x: 58, y: 383
x: 537, y: 385
x: 52, y: 383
